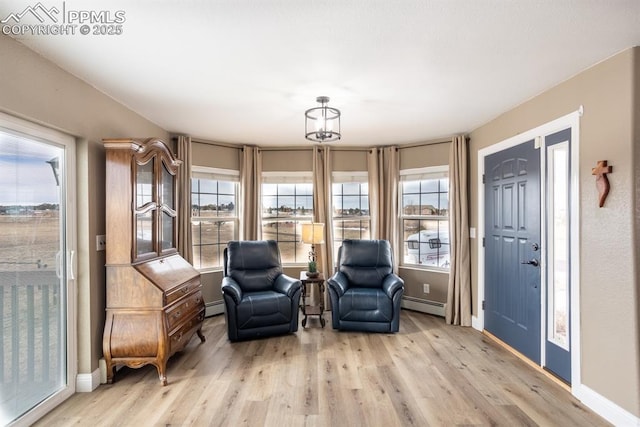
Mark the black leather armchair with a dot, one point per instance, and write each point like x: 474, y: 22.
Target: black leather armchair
x: 365, y: 293
x: 259, y: 299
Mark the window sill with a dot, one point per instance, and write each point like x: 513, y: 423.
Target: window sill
x: 298, y: 265
x: 426, y: 269
x: 210, y: 270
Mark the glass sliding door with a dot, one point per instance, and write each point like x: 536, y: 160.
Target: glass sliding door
x: 36, y: 252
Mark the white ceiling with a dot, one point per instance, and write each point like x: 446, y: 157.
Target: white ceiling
x: 401, y: 71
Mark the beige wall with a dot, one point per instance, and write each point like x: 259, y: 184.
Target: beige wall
x: 420, y: 156
x: 608, y: 274
x: 215, y: 155
x: 287, y: 160
x: 33, y: 88
x: 349, y: 160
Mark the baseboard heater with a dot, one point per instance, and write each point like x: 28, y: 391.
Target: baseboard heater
x: 213, y: 308
x: 425, y: 306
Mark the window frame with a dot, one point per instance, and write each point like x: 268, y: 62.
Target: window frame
x: 419, y: 174
x: 283, y: 178
x: 216, y: 174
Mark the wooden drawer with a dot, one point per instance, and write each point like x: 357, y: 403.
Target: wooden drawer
x: 180, y: 291
x: 179, y: 338
x: 183, y: 309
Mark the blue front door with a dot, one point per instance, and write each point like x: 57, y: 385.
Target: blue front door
x: 512, y: 247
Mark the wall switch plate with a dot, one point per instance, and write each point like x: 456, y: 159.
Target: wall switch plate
x: 101, y: 242
x: 426, y: 288
x: 472, y: 232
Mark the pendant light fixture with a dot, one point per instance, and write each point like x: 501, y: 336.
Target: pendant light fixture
x: 322, y: 124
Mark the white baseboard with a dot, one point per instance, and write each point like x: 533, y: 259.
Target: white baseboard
x: 424, y: 306
x: 605, y: 408
x: 86, y: 383
x: 213, y: 308
x: 476, y: 323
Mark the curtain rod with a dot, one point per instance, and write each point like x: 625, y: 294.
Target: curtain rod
x: 355, y: 149
x: 435, y: 142
x: 286, y: 148
x: 219, y: 144
x: 422, y: 144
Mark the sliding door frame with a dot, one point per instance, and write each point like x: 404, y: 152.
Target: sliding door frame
x: 68, y: 184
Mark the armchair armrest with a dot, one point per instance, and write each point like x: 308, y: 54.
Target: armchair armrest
x: 230, y: 287
x: 339, y: 283
x: 391, y: 284
x: 287, y: 285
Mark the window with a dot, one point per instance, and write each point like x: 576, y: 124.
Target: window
x: 351, y: 218
x: 425, y: 216
x: 214, y: 214
x: 287, y: 202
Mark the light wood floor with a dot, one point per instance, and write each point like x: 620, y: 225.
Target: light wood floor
x: 427, y: 374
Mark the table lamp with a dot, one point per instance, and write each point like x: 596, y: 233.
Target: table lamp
x: 313, y: 233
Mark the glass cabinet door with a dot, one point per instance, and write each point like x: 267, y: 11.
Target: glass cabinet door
x: 145, y: 209
x: 155, y: 215
x: 168, y: 212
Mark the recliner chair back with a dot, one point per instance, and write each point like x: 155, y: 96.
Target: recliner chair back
x: 253, y: 264
x: 365, y: 262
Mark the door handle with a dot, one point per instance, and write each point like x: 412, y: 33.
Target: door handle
x: 532, y: 261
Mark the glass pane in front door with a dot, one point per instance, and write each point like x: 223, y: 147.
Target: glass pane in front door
x: 33, y: 341
x: 558, y: 231
x: 558, y: 245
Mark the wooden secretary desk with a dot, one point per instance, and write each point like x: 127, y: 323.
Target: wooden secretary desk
x: 154, y: 297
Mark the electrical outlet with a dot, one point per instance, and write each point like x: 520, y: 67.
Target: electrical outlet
x: 101, y: 242
x: 425, y: 288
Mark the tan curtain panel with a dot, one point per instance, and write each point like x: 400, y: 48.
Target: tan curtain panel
x: 372, y: 168
x: 384, y: 174
x: 459, y: 292
x: 322, y: 206
x: 250, y: 182
x: 185, y: 246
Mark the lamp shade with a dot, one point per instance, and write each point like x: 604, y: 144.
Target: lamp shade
x: 313, y: 233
